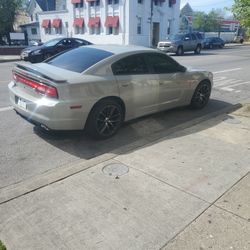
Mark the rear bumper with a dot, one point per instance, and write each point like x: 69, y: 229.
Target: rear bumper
x: 50, y: 113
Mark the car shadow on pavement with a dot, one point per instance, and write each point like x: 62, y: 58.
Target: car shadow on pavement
x: 77, y: 143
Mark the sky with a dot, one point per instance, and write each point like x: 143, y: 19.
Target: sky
x: 207, y: 5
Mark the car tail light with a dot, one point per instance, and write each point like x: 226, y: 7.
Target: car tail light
x: 39, y: 87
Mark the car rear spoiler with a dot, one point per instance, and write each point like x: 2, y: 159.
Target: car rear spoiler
x: 32, y: 72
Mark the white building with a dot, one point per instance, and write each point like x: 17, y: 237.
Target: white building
x: 32, y: 27
x: 111, y: 21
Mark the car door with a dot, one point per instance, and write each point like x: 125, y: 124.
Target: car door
x: 61, y: 46
x: 187, y: 42
x: 138, y: 88
x: 193, y: 42
x: 170, y: 79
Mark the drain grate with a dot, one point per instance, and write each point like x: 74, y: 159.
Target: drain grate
x: 115, y: 169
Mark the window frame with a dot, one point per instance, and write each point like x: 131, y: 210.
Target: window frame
x: 137, y: 55
x: 152, y: 69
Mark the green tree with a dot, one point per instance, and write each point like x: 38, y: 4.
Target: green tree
x: 199, y: 20
x: 214, y: 19
x: 8, y: 12
x: 241, y: 11
x: 208, y: 22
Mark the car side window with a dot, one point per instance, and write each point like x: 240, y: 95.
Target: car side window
x: 161, y: 64
x: 187, y: 37
x: 193, y: 36
x: 131, y: 65
x: 79, y: 42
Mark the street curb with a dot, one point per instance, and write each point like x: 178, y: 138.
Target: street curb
x: 9, y: 60
x: 45, y: 179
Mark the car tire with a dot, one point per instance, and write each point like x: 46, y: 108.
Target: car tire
x: 105, y: 119
x: 179, y: 51
x: 198, y: 49
x: 201, y: 95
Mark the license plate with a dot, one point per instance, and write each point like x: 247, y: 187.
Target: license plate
x: 21, y: 103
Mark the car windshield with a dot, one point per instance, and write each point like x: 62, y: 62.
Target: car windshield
x: 51, y: 42
x: 80, y: 59
x: 175, y: 37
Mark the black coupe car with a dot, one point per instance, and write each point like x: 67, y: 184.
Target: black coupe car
x: 40, y: 53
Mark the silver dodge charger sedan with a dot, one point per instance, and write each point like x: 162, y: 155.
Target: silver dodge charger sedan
x: 98, y: 87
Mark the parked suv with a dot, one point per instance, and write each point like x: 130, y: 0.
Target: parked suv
x: 181, y: 43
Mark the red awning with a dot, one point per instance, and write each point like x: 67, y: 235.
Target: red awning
x: 78, y: 22
x: 76, y: 1
x: 57, y: 23
x: 112, y: 21
x: 46, y: 23
x: 94, y: 22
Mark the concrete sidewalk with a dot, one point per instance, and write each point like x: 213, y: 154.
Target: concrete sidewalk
x: 188, y: 190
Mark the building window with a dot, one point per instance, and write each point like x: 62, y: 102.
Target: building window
x: 79, y: 30
x: 158, y: 2
x: 31, y: 18
x: 140, y: 1
x: 95, y: 30
x: 97, y: 3
x: 92, y: 4
x: 36, y: 17
x: 47, y: 30
x: 110, y: 2
x: 58, y: 30
x: 110, y: 30
x: 171, y: 3
x: 33, y: 31
x: 79, y: 5
x: 169, y: 27
x: 139, y: 23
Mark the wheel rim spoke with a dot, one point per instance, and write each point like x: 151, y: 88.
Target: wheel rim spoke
x: 108, y: 120
x: 202, y: 94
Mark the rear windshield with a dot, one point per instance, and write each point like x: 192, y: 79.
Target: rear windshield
x: 80, y: 59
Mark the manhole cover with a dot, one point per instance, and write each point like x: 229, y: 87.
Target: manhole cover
x: 115, y: 169
x: 232, y: 121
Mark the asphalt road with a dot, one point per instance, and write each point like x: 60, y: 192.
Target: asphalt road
x: 26, y: 151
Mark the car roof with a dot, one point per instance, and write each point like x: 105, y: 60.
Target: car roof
x: 120, y: 49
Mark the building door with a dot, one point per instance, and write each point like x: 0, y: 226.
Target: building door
x: 156, y: 34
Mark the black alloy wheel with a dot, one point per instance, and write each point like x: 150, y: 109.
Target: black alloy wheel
x: 198, y: 50
x: 179, y: 51
x: 201, y: 95
x: 105, y: 119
